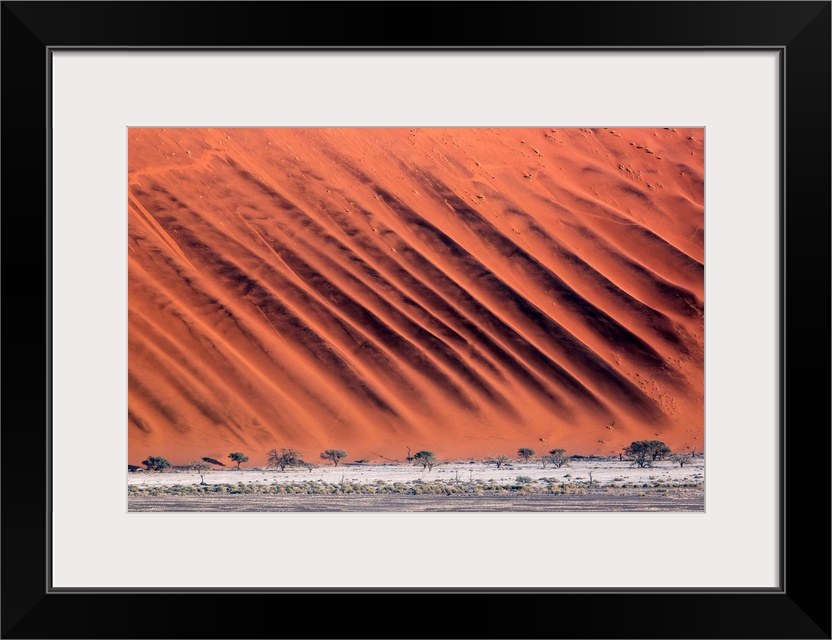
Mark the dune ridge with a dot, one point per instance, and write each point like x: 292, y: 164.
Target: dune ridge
x: 467, y: 291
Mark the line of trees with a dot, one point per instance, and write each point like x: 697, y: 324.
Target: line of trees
x: 643, y: 453
x: 556, y: 457
x: 158, y: 463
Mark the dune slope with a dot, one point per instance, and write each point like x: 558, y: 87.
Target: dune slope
x: 466, y: 291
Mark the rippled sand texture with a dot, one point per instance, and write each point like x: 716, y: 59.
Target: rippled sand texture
x: 467, y: 291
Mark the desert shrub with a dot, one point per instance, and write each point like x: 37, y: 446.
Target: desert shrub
x: 156, y: 463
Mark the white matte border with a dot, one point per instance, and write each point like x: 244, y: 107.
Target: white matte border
x: 97, y: 95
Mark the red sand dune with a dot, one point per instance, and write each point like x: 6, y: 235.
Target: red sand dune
x: 467, y: 291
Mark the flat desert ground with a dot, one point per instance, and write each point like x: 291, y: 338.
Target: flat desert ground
x: 462, y: 486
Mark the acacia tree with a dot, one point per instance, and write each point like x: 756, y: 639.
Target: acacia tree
x: 498, y: 460
x: 645, y: 452
x: 156, y: 463
x: 658, y: 449
x: 558, y: 457
x: 285, y: 458
x: 334, y: 454
x: 425, y: 458
x: 200, y: 467
x: 525, y: 453
x: 238, y: 457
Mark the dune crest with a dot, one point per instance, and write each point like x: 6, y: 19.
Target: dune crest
x: 466, y: 291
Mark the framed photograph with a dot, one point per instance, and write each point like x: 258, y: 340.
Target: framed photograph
x: 489, y: 311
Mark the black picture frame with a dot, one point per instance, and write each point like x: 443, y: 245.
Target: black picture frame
x: 798, y: 608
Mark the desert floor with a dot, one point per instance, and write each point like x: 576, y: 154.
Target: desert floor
x: 615, y: 486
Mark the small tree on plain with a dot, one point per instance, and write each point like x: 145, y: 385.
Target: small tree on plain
x: 558, y: 457
x: 499, y: 461
x: 525, y: 453
x: 200, y: 467
x: 682, y: 459
x: 156, y: 463
x: 336, y: 455
x: 645, y: 452
x: 425, y: 458
x: 284, y: 458
x: 238, y: 457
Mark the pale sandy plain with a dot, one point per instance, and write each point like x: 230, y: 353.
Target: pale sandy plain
x: 603, y: 473
x: 612, y: 486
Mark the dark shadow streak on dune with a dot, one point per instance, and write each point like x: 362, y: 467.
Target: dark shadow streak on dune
x: 155, y: 403
x: 427, y: 343
x: 140, y: 423
x: 434, y: 300
x: 370, y: 323
x: 677, y: 298
x: 647, y: 240
x: 211, y: 354
x: 246, y: 287
x: 561, y: 340
x: 606, y: 327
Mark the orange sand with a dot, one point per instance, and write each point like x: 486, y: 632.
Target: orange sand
x: 467, y: 291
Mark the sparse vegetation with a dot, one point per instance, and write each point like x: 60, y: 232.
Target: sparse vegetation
x: 522, y: 485
x: 238, y: 458
x: 525, y: 453
x: 336, y: 455
x: 156, y: 463
x: 595, y: 476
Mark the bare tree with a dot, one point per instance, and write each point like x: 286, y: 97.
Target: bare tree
x: 682, y: 458
x: 499, y: 461
x: 200, y: 467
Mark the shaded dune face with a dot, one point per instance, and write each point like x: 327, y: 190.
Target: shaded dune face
x: 466, y: 291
